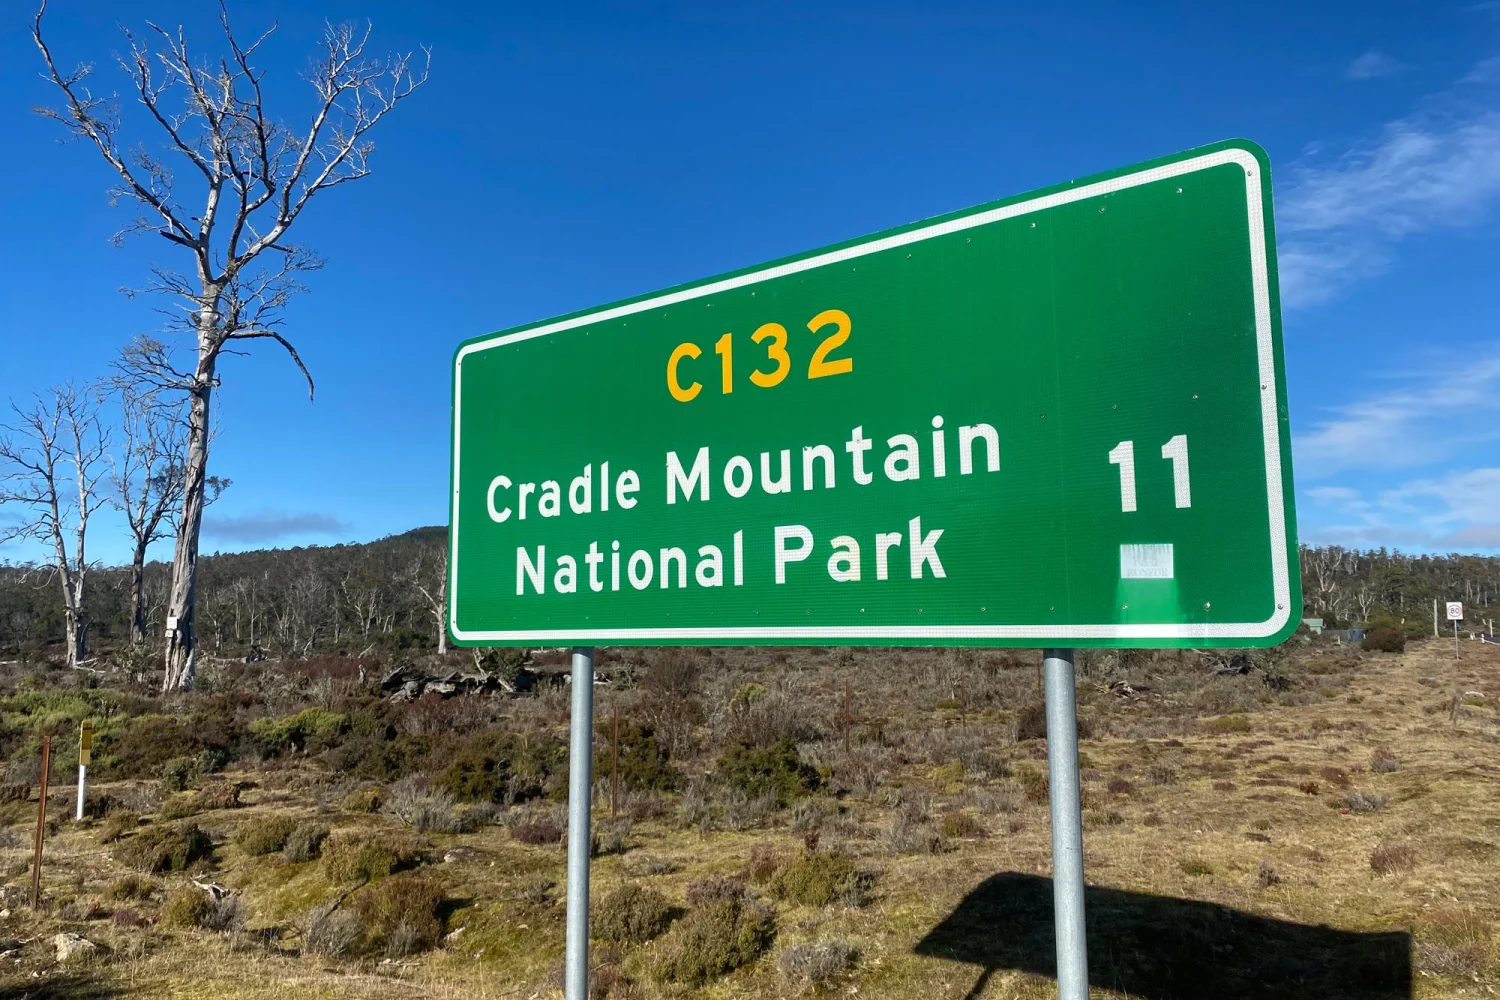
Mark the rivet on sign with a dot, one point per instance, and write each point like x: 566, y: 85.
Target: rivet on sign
x: 1033, y: 225
x: 861, y: 610
x: 1195, y: 395
x: 1053, y: 608
x: 968, y: 240
x: 1101, y: 208
x: 1124, y: 607
x: 984, y: 609
x: 1115, y: 407
x: 1043, y: 416
x: 1179, y: 190
x: 908, y: 256
x: 1206, y: 605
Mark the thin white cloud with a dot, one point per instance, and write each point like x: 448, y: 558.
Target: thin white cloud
x: 1340, y: 220
x: 270, y: 526
x: 1456, y: 512
x: 1369, y: 65
x: 1425, y: 420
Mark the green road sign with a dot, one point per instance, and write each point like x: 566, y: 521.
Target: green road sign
x: 1058, y: 419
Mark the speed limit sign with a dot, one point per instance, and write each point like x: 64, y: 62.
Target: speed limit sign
x: 1455, y: 611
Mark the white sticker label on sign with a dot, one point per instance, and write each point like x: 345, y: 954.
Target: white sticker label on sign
x: 1455, y: 611
x: 1146, y: 562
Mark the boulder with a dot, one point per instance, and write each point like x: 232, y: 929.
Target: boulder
x: 72, y: 948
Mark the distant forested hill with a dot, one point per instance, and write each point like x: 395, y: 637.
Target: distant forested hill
x: 387, y: 594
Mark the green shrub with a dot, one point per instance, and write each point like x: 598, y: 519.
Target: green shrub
x: 131, y: 888
x: 180, y: 773
x: 217, y: 795
x: 158, y: 849
x: 776, y: 770
x: 186, y: 908
x: 495, y: 766
x: 716, y: 937
x: 264, y: 836
x: 631, y: 915
x: 311, y: 730
x: 400, y: 915
x: 820, y: 878
x: 817, y: 963
x: 305, y: 843
x: 365, y: 799
x: 178, y: 806
x: 645, y: 763
x: 1384, y: 640
x: 117, y: 825
x: 362, y: 856
x: 957, y: 823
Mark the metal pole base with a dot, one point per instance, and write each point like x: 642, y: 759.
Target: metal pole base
x: 580, y: 832
x: 1067, y: 825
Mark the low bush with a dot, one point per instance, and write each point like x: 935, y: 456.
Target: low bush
x: 158, y: 849
x: 497, y: 766
x: 330, y: 931
x: 305, y: 842
x: 1384, y: 640
x: 1364, y: 802
x: 816, y: 963
x: 362, y: 856
x: 536, y: 831
x: 178, y: 806
x: 264, y: 836
x: 632, y: 914
x: 1383, y: 761
x: 776, y: 770
x: 1454, y: 942
x: 400, y: 915
x: 131, y: 888
x: 819, y: 879
x: 1195, y: 866
x: 610, y: 837
x: 311, y: 730
x: 217, y: 795
x: 188, y: 907
x: 416, y: 803
x: 117, y: 825
x: 1389, y: 859
x: 957, y: 823
x: 364, y: 799
x: 718, y: 935
x: 645, y: 763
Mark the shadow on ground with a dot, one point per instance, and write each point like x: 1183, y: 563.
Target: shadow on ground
x: 63, y: 986
x: 1162, y: 948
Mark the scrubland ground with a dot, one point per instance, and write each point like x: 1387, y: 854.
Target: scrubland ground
x: 791, y: 823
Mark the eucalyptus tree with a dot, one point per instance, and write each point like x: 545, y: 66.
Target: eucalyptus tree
x: 234, y: 267
x: 52, y: 472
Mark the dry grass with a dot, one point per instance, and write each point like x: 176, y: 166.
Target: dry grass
x: 1186, y: 795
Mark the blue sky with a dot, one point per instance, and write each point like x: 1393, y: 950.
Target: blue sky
x: 567, y: 156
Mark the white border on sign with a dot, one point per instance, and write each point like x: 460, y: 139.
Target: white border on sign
x: 1265, y: 352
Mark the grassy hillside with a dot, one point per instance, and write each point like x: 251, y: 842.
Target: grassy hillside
x: 804, y: 822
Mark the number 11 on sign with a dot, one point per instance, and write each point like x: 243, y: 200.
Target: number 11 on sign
x: 1175, y: 450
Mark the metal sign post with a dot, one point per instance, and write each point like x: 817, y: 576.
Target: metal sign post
x: 85, y: 755
x: 580, y: 830
x: 1054, y: 420
x: 1455, y: 615
x: 41, y: 824
x: 1067, y: 826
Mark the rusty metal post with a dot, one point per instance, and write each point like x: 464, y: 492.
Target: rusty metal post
x: 614, y: 770
x: 41, y: 824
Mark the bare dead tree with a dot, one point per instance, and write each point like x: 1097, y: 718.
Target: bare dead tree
x: 429, y: 578
x: 52, y: 463
x: 149, y: 469
x: 255, y: 177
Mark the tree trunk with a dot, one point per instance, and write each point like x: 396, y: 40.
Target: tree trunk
x: 138, y: 596
x: 182, y: 642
